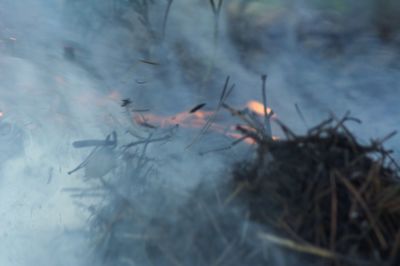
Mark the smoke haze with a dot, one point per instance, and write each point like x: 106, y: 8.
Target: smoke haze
x: 66, y: 65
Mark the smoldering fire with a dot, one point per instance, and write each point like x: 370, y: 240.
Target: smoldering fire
x: 65, y: 67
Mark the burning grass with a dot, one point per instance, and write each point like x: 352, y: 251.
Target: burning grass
x: 323, y: 198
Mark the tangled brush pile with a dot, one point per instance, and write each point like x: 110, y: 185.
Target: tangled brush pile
x: 332, y: 200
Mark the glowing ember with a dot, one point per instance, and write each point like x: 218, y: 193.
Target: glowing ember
x: 258, y: 108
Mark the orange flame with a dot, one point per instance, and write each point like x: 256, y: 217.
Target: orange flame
x: 198, y: 119
x: 258, y: 108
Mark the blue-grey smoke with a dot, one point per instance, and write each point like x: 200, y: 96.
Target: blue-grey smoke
x: 65, y: 66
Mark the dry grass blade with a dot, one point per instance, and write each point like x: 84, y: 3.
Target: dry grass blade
x: 216, y: 7
x: 289, y: 133
x: 224, y: 254
x: 165, y: 19
x: 86, y: 161
x: 303, y: 248
x: 267, y: 123
x: 386, y: 138
x: 225, y: 148
x: 147, y: 141
x: 369, y: 215
x: 226, y: 91
x: 334, y: 213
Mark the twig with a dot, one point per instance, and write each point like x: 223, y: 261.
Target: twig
x: 111, y: 140
x: 334, y: 210
x: 364, y: 205
x: 317, y: 128
x: 267, y: 124
x: 300, y: 113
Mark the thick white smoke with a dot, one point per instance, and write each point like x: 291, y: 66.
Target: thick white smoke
x: 46, y: 102
x: 51, y: 96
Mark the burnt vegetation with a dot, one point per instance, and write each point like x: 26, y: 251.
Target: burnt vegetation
x: 332, y: 200
x: 323, y: 197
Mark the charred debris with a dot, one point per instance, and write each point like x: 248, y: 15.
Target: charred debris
x: 322, y: 198
x: 328, y: 199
